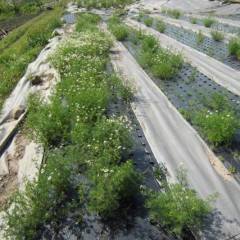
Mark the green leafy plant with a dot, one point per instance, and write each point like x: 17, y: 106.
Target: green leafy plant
x: 112, y: 186
x: 161, y: 62
x: 217, y: 35
x: 208, y: 22
x: 178, y: 207
x: 200, y: 37
x: 40, y: 201
x: 175, y: 13
x: 160, y: 26
x: 234, y: 46
x: 119, y: 31
x: 218, y: 127
x: 23, y: 45
x: 148, y: 22
x: 193, y: 20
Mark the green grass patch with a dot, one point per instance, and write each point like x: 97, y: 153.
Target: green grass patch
x: 161, y: 62
x: 234, y: 46
x: 208, y: 22
x: 174, y: 13
x: 23, y: 46
x: 217, y: 35
x: 88, y: 4
x: 218, y: 121
x: 160, y: 26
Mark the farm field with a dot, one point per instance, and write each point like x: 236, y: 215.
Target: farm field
x: 120, y: 120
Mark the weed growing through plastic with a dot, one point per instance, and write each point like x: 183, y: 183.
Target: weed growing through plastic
x: 193, y: 20
x: 200, y: 37
x: 148, y: 22
x: 161, y: 62
x: 234, y: 46
x: 103, y: 3
x: 217, y: 35
x: 218, y: 121
x: 160, y: 26
x: 175, y: 13
x: 208, y: 22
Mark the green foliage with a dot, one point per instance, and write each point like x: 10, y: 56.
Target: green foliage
x: 41, y: 199
x: 178, y: 207
x: 75, y: 115
x: 217, y: 36
x: 200, y: 37
x: 234, y: 46
x: 161, y: 62
x: 219, y: 121
x: 121, y: 32
x: 113, y: 186
x: 175, y: 13
x: 103, y: 3
x: 208, y: 22
x: 87, y: 22
x: 124, y: 89
x: 23, y: 47
x: 49, y: 121
x: 160, y: 26
x: 193, y: 20
x: 218, y: 127
x: 148, y: 22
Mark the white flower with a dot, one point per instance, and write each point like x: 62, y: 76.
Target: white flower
x: 49, y: 178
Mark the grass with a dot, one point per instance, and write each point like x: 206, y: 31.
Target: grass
x: 88, y: 4
x: 217, y: 35
x: 174, y: 13
x: 160, y: 26
x: 23, y: 46
x: 208, y: 22
x: 161, y: 62
x: 218, y: 120
x: 193, y: 20
x: 148, y: 22
x: 200, y: 37
x: 119, y: 31
x: 234, y: 46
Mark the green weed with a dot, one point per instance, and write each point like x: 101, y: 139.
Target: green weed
x: 217, y: 36
x: 208, y: 22
x: 160, y: 26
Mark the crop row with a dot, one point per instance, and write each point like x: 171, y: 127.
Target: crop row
x: 79, y: 138
x: 214, y: 47
x: 103, y: 3
x: 160, y: 64
x: 211, y: 109
x: 22, y: 46
x: 208, y: 21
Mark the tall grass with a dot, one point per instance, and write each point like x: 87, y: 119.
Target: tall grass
x: 22, y: 46
x: 103, y: 3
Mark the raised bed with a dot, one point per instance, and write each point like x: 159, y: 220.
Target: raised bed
x: 190, y: 90
x: 217, y: 50
x: 216, y: 25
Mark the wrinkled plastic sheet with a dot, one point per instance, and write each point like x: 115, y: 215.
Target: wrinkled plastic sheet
x: 69, y: 18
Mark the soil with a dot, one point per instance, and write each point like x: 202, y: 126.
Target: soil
x: 9, y: 182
